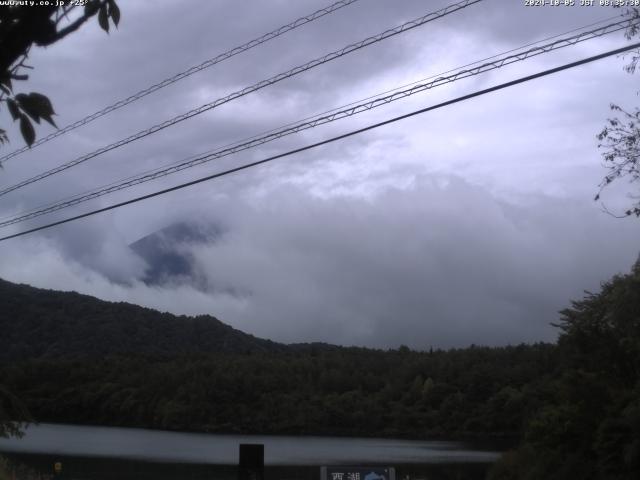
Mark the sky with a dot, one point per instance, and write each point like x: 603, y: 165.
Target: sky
x: 470, y: 224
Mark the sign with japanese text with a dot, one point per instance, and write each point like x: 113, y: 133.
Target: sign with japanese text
x: 345, y: 472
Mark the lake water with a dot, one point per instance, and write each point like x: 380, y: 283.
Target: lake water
x: 94, y: 453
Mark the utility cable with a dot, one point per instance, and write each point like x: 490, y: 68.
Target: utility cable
x: 353, y: 109
x: 184, y: 74
x: 240, y: 93
x: 332, y: 139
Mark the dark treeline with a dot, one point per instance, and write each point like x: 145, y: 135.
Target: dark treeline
x: 572, y: 408
x: 477, y: 391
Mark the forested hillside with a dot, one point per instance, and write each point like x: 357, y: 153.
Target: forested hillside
x: 479, y: 391
x: 573, y: 407
x: 73, y: 358
x: 38, y: 323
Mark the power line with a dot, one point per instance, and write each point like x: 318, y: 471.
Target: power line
x: 138, y: 175
x: 448, y: 71
x: 186, y: 73
x: 332, y: 139
x: 353, y: 109
x: 240, y: 93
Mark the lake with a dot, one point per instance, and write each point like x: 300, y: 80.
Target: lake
x: 97, y: 453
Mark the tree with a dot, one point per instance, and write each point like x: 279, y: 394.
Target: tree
x: 620, y: 138
x: 589, y: 427
x: 22, y: 27
x: 12, y: 414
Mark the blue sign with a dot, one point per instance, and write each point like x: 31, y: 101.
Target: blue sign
x: 345, y: 472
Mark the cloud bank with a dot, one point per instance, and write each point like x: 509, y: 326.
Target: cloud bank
x: 439, y: 263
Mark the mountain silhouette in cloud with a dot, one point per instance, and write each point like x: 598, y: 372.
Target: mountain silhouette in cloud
x: 167, y: 252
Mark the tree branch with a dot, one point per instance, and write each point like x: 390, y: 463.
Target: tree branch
x: 75, y: 24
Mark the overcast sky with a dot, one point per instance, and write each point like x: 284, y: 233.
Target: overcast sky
x: 473, y: 223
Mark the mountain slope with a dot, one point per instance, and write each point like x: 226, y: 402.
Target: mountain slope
x: 166, y: 251
x: 38, y: 323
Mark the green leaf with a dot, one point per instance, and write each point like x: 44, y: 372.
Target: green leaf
x: 28, y: 133
x: 42, y: 103
x: 49, y: 120
x: 114, y: 12
x: 13, y: 108
x: 103, y: 18
x: 27, y: 105
x: 37, y: 106
x: 91, y: 7
x: 43, y: 106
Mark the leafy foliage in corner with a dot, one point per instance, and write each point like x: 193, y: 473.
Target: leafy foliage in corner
x: 590, y: 426
x: 620, y: 138
x: 23, y: 26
